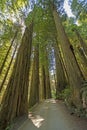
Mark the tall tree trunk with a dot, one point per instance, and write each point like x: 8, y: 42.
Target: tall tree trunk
x: 83, y: 44
x: 61, y: 79
x: 34, y: 90
x: 48, y: 86
x: 82, y: 62
x: 82, y: 55
x: 12, y: 42
x: 15, y: 100
x: 9, y: 66
x: 72, y: 49
x: 75, y: 78
x: 43, y: 84
x: 64, y: 67
x: 47, y: 78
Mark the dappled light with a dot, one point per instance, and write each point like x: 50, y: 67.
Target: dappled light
x: 37, y: 120
x: 47, y: 101
x: 50, y: 100
x: 53, y: 101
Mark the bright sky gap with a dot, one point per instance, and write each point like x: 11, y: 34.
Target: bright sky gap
x: 68, y: 9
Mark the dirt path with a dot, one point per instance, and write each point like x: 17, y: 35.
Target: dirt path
x: 53, y: 116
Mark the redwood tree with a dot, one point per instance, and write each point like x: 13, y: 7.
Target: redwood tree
x: 60, y: 74
x: 74, y: 74
x: 9, y: 66
x: 47, y: 76
x: 15, y: 100
x: 12, y: 42
x: 43, y: 83
x: 34, y: 90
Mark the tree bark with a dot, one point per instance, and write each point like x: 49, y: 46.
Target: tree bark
x: 15, y: 100
x: 83, y: 44
x: 82, y: 62
x: 12, y: 42
x: 82, y: 55
x: 43, y: 84
x: 47, y: 78
x: 34, y: 90
x: 9, y: 66
x: 61, y: 79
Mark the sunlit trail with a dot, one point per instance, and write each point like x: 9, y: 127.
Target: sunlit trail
x: 36, y: 119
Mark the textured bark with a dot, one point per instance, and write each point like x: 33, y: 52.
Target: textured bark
x: 9, y: 66
x: 61, y: 79
x: 74, y: 75
x: 72, y: 49
x: 64, y: 68
x: 82, y: 56
x: 82, y: 62
x: 43, y: 84
x: 47, y: 78
x: 83, y: 44
x: 34, y: 90
x: 12, y: 42
x: 15, y: 100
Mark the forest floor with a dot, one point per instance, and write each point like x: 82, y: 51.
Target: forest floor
x: 53, y: 115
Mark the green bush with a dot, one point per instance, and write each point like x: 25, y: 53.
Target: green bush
x: 53, y: 94
x: 65, y: 94
x: 9, y: 127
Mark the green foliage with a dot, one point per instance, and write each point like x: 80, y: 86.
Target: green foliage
x: 79, y: 7
x: 53, y: 94
x: 65, y: 94
x: 9, y: 127
x: 11, y: 4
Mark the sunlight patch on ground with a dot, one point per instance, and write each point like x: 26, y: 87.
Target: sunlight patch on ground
x: 53, y: 101
x: 47, y: 100
x: 36, y: 119
x: 50, y: 100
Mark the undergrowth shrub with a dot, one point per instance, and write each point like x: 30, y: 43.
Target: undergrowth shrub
x: 65, y: 94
